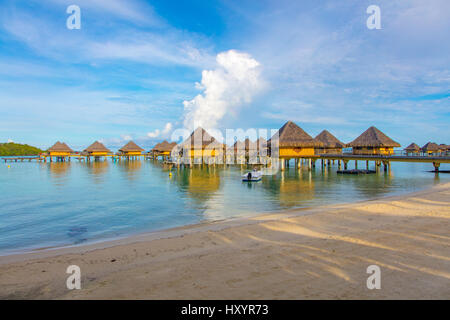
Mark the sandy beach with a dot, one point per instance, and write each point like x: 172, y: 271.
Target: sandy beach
x: 319, y: 253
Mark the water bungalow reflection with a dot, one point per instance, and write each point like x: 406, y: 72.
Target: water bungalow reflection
x: 292, y: 188
x: 198, y: 183
x: 97, y: 170
x: 59, y: 171
x: 130, y: 168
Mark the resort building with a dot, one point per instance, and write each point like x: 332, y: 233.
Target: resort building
x: 430, y: 148
x: 412, y: 149
x: 292, y: 142
x: 60, y: 150
x: 331, y: 144
x: 131, y: 149
x: 163, y: 149
x: 444, y: 148
x: 373, y: 142
x: 248, y: 151
x: 201, y: 147
x: 96, y: 150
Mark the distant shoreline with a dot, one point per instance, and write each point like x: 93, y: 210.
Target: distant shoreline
x: 11, y: 149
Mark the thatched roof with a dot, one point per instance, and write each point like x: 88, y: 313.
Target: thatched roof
x: 250, y: 145
x: 201, y: 139
x: 444, y: 146
x: 291, y: 135
x: 412, y: 147
x: 60, y: 147
x: 373, y: 137
x: 164, y: 146
x: 329, y: 140
x: 97, y: 147
x: 131, y: 147
x: 430, y: 146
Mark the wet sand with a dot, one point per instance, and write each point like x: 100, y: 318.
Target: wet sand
x: 319, y: 253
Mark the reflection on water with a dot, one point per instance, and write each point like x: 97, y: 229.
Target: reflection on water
x: 199, y: 183
x: 290, y: 187
x: 58, y: 172
x: 60, y: 203
x: 130, y: 168
x: 97, y: 170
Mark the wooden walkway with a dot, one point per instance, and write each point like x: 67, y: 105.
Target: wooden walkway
x: 22, y: 159
x: 429, y: 159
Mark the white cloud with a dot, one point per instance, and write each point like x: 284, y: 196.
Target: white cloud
x: 153, y: 134
x: 10, y: 141
x: 127, y: 137
x: 164, y: 133
x: 235, y: 81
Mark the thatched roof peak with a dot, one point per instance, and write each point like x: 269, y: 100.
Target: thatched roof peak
x: 97, y: 147
x: 164, y: 146
x: 131, y: 147
x: 60, y: 147
x: 412, y: 147
x: 430, y: 146
x: 291, y: 135
x: 373, y: 137
x: 329, y: 140
x: 200, y: 138
x: 250, y: 145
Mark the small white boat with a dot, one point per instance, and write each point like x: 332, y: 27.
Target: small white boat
x: 254, y: 175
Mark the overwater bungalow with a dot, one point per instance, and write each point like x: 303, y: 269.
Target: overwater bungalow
x: 373, y: 142
x: 412, y: 149
x: 96, y: 150
x: 331, y: 144
x: 430, y: 148
x: 163, y: 149
x: 60, y: 150
x: 248, y: 151
x: 131, y: 149
x: 293, y: 143
x: 201, y: 147
x: 245, y: 151
x: 444, y: 148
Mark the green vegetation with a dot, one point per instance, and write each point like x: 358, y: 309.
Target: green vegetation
x: 17, y: 149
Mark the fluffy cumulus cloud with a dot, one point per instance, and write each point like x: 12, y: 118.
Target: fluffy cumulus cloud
x: 234, y: 83
x: 161, y: 133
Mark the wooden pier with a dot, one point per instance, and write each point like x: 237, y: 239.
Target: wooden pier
x: 383, y: 159
x: 22, y: 159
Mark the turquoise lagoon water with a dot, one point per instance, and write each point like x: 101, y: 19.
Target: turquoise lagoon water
x: 57, y: 204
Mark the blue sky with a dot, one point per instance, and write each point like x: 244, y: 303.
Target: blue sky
x: 127, y: 71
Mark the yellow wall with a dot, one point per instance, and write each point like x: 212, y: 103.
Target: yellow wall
x: 133, y: 153
x: 59, y: 154
x: 328, y: 150
x: 98, y: 154
x: 375, y: 150
x: 295, y: 152
x: 197, y: 153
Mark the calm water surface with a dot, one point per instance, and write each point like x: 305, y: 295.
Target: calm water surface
x: 57, y: 204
